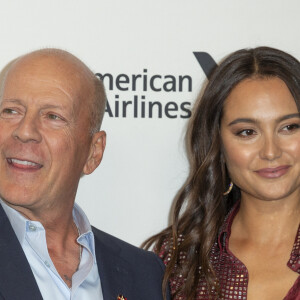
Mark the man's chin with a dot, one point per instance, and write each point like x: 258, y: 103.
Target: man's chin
x: 18, y: 198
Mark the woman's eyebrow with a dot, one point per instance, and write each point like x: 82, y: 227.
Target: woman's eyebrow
x: 242, y: 120
x: 286, y: 117
x: 252, y: 121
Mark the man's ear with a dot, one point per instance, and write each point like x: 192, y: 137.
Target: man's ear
x: 96, y: 152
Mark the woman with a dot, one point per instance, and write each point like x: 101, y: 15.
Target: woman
x: 235, y: 231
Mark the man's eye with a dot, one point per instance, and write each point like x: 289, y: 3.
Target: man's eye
x: 8, y: 111
x: 53, y: 117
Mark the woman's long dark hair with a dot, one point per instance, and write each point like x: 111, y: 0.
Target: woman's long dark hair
x: 201, y: 207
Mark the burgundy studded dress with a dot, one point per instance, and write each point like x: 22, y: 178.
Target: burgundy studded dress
x: 231, y: 272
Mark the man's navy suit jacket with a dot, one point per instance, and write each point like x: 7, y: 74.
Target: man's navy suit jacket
x: 124, y: 269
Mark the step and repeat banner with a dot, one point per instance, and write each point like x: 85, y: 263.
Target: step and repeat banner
x: 153, y: 57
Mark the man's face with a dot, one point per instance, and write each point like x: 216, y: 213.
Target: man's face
x: 44, y: 134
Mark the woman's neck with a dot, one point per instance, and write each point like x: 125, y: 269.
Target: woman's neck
x: 265, y: 221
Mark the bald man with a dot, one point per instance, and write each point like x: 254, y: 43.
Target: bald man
x: 51, y: 108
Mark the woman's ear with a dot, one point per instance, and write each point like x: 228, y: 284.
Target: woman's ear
x: 96, y: 152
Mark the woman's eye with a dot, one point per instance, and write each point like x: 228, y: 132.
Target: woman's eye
x: 291, y: 127
x: 246, y: 132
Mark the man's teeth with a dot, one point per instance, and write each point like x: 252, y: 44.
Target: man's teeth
x: 23, y: 162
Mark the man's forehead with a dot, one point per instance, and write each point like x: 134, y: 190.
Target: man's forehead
x: 57, y: 67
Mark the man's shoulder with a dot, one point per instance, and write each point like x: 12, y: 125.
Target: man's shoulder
x: 127, y: 268
x: 127, y: 251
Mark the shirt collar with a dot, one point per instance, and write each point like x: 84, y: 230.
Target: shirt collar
x: 225, y: 231
x: 81, y: 220
x: 19, y: 224
x: 86, y: 235
x: 17, y: 221
x: 294, y: 261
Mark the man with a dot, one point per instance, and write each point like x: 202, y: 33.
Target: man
x: 50, y: 114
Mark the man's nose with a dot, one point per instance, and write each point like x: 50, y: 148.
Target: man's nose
x: 28, y: 129
x: 271, y: 148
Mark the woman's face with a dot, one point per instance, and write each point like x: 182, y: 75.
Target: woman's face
x: 260, y: 132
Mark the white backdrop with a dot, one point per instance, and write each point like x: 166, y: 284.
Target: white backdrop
x: 144, y: 165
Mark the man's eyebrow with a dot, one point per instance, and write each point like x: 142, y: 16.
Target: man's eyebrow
x: 47, y: 106
x: 253, y: 121
x: 20, y: 102
x: 13, y: 100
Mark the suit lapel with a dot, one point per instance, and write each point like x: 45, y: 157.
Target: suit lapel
x: 115, y: 272
x: 16, y: 278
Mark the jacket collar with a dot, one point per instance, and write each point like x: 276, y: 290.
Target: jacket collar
x: 16, y: 278
x: 115, y: 272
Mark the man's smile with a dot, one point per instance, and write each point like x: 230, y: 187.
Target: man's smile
x: 23, y: 164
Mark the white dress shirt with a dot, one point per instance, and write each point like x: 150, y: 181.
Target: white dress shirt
x: 32, y: 237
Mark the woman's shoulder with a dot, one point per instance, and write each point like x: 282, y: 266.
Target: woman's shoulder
x: 167, y: 247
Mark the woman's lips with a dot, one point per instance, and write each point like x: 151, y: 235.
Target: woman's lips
x: 273, y: 172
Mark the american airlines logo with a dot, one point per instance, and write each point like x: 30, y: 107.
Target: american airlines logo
x: 130, y: 100
x: 206, y: 62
